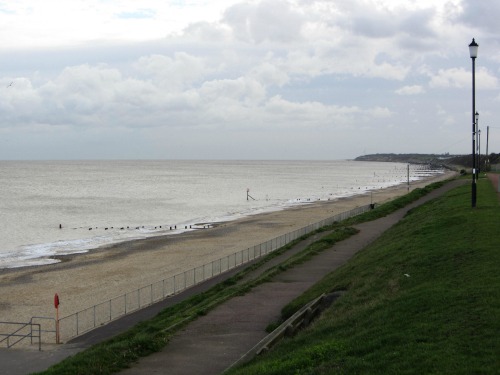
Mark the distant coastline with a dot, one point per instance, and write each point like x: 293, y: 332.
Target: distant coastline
x: 409, y: 158
x: 448, y: 161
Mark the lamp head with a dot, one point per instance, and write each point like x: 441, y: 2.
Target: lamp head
x: 473, y: 47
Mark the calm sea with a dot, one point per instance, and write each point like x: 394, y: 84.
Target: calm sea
x: 103, y: 202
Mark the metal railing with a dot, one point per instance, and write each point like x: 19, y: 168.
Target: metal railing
x: 21, y: 331
x: 85, y: 320
x: 51, y: 332
x: 301, y: 318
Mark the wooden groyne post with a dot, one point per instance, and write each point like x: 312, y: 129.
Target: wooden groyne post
x: 248, y: 194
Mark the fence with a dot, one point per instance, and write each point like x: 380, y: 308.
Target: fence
x: 85, y: 320
x: 301, y: 318
x: 49, y: 334
x: 21, y: 331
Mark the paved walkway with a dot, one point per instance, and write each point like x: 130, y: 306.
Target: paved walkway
x: 494, y: 177
x: 213, y: 342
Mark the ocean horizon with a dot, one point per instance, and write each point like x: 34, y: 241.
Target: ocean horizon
x: 52, y: 208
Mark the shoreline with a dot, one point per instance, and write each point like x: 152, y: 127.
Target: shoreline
x: 47, y: 260
x: 86, y: 279
x: 190, y: 233
x: 34, y: 238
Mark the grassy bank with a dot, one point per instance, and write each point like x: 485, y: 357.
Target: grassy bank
x: 422, y: 299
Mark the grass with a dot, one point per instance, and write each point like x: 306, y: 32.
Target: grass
x: 123, y: 350
x: 423, y: 299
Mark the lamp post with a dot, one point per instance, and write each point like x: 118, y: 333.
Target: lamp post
x: 478, y: 152
x: 473, y: 47
x: 487, y: 163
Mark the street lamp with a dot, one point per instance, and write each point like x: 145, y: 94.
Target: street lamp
x: 473, y: 47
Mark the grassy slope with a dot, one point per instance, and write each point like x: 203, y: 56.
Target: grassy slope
x: 442, y: 318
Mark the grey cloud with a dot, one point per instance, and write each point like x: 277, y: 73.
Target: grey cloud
x: 376, y: 23
x: 418, y: 23
x: 481, y: 14
x: 409, y: 43
x: 374, y: 27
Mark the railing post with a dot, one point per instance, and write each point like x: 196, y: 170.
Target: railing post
x: 39, y: 337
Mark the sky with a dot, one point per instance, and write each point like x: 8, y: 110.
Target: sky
x: 265, y: 79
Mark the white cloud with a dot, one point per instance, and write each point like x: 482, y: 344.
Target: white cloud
x: 410, y: 90
x: 269, y: 73
x: 270, y: 20
x: 172, y: 73
x: 55, y: 23
x: 460, y: 78
x: 318, y: 115
x: 206, y: 32
x: 243, y: 91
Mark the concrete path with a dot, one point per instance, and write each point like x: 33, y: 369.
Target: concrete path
x: 213, y: 342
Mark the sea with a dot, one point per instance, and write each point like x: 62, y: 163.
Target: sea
x: 52, y: 208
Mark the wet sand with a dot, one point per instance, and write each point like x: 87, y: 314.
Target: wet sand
x: 84, y: 280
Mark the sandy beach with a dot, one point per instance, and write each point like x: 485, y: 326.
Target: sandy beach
x: 84, y: 280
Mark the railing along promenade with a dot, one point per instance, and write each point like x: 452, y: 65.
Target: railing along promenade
x: 90, y: 318
x: 19, y: 332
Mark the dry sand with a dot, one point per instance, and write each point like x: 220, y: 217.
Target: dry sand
x: 84, y: 280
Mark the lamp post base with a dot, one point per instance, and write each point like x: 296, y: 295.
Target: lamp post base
x: 473, y: 194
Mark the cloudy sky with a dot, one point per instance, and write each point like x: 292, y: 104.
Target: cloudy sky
x: 265, y: 79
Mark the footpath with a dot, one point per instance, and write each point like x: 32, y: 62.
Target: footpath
x: 213, y: 342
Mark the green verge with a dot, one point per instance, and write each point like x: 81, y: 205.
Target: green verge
x: 151, y: 336
x: 423, y: 299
